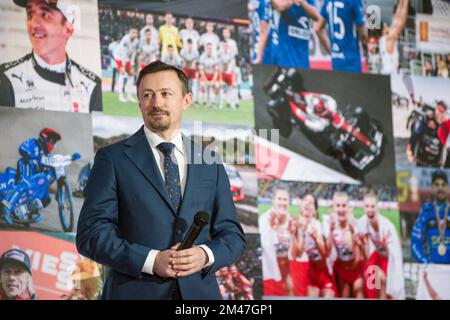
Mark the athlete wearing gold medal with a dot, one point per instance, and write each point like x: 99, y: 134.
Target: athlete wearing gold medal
x: 430, y: 238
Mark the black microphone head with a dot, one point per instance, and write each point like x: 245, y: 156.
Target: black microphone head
x: 201, y: 218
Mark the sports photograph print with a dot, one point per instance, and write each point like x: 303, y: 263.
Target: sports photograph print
x: 318, y: 119
x: 330, y: 240
x: 40, y: 166
x: 43, y: 61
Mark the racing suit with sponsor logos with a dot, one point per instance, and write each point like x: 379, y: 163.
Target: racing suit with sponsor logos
x: 425, y: 143
x: 25, y: 83
x: 30, y: 163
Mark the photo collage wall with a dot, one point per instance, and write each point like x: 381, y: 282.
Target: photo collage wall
x: 331, y: 117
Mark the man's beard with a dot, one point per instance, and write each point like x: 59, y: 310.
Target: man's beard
x: 442, y: 197
x: 161, y: 124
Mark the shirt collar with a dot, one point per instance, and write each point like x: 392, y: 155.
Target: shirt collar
x: 59, y: 67
x: 154, y: 140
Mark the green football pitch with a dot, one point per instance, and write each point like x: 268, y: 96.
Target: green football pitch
x: 241, y: 116
x: 392, y: 215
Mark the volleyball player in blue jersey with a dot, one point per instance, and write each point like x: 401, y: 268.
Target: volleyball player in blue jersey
x: 346, y: 28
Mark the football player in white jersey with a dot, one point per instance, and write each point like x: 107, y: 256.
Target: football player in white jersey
x: 149, y: 25
x: 228, y: 91
x: 209, y: 77
x: 209, y: 37
x: 124, y: 54
x: 172, y: 58
x: 226, y: 33
x: 148, y: 50
x: 190, y: 57
x: 46, y: 78
x: 341, y: 233
x: 189, y: 33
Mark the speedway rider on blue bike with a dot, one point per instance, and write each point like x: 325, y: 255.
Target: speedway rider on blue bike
x: 31, y: 151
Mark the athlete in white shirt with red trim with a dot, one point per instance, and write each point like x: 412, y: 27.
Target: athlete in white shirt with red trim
x: 209, y: 76
x: 340, y: 233
x: 148, y: 50
x: 308, y: 237
x: 124, y: 54
x: 228, y: 90
x: 226, y: 33
x: 209, y: 37
x: 189, y: 33
x: 171, y: 57
x: 190, y: 57
x: 378, y: 238
x: 149, y: 25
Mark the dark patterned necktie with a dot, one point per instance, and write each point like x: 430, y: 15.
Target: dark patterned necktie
x: 171, y: 173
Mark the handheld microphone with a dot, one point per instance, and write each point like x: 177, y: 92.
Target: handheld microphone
x: 200, y: 220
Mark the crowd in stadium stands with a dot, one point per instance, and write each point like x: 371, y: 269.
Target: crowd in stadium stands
x: 406, y: 56
x: 214, y: 55
x: 325, y: 191
x: 440, y: 67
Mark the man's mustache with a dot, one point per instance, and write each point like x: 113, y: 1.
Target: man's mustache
x: 156, y: 110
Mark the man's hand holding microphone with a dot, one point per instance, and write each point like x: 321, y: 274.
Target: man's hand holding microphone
x: 183, y: 259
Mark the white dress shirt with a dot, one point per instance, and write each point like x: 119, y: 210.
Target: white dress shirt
x: 181, y: 155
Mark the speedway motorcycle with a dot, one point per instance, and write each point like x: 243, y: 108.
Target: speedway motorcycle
x: 22, y: 201
x: 83, y: 177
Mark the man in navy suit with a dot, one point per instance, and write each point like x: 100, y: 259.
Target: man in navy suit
x: 142, y: 196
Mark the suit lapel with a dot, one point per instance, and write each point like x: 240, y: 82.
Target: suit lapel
x: 141, y: 155
x: 194, y: 160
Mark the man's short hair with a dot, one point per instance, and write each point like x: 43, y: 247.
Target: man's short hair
x: 439, y: 174
x: 170, y: 46
x: 158, y: 66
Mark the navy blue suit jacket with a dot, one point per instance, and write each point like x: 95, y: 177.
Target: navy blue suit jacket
x: 127, y: 212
